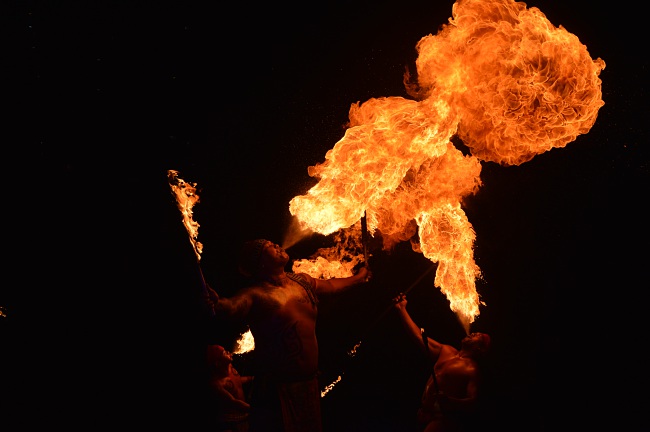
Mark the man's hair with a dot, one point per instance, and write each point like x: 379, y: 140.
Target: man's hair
x: 249, y: 257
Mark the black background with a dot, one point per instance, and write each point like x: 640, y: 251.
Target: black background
x: 102, y: 98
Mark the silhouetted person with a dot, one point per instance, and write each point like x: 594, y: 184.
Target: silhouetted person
x: 281, y: 308
x: 449, y: 401
x: 228, y: 407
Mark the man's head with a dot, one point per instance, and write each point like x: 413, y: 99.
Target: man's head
x: 217, y: 355
x: 477, y: 343
x: 250, y: 257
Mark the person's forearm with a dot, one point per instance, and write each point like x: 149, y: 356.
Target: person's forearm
x: 411, y: 327
x: 339, y: 284
x: 350, y: 281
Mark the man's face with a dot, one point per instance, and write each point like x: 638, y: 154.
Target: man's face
x: 479, y: 342
x: 275, y: 252
x: 218, y: 355
x: 223, y: 355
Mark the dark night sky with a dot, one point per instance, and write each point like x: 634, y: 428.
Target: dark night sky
x: 104, y: 97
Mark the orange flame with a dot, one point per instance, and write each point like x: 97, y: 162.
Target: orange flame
x: 330, y: 386
x: 499, y: 76
x: 337, y: 261
x: 245, y: 343
x: 186, y: 197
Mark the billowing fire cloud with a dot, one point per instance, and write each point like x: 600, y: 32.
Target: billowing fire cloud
x: 500, y: 77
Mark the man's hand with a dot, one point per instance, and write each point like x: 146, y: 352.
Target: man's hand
x: 400, y: 301
x: 364, y: 274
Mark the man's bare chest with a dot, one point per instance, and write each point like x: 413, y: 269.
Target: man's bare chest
x: 290, y: 295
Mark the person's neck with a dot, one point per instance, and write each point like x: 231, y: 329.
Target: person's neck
x: 222, y: 371
x: 277, y: 279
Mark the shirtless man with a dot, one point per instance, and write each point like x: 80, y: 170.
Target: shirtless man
x: 280, y: 309
x: 226, y: 389
x: 450, y: 395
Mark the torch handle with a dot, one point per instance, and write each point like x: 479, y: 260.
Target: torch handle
x: 204, y: 288
x: 364, y: 237
x: 390, y: 307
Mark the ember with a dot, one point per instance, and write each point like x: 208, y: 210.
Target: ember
x: 330, y: 386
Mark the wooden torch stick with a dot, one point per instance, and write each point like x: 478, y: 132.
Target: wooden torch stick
x: 364, y: 237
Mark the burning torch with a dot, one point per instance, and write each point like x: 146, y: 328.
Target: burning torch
x: 364, y: 237
x: 186, y: 197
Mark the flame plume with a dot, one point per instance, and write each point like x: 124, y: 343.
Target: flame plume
x: 186, y: 197
x: 245, y: 343
x: 500, y: 77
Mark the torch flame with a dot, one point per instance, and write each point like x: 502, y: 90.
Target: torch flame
x: 186, y: 197
x: 500, y: 77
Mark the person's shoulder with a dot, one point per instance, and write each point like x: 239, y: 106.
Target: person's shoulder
x: 448, y: 347
x: 302, y: 276
x: 250, y: 289
x: 248, y: 293
x: 448, y: 350
x: 258, y: 292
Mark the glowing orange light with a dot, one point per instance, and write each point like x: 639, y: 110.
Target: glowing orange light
x: 245, y: 343
x: 186, y: 198
x: 500, y: 77
x: 330, y: 386
x: 336, y: 261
